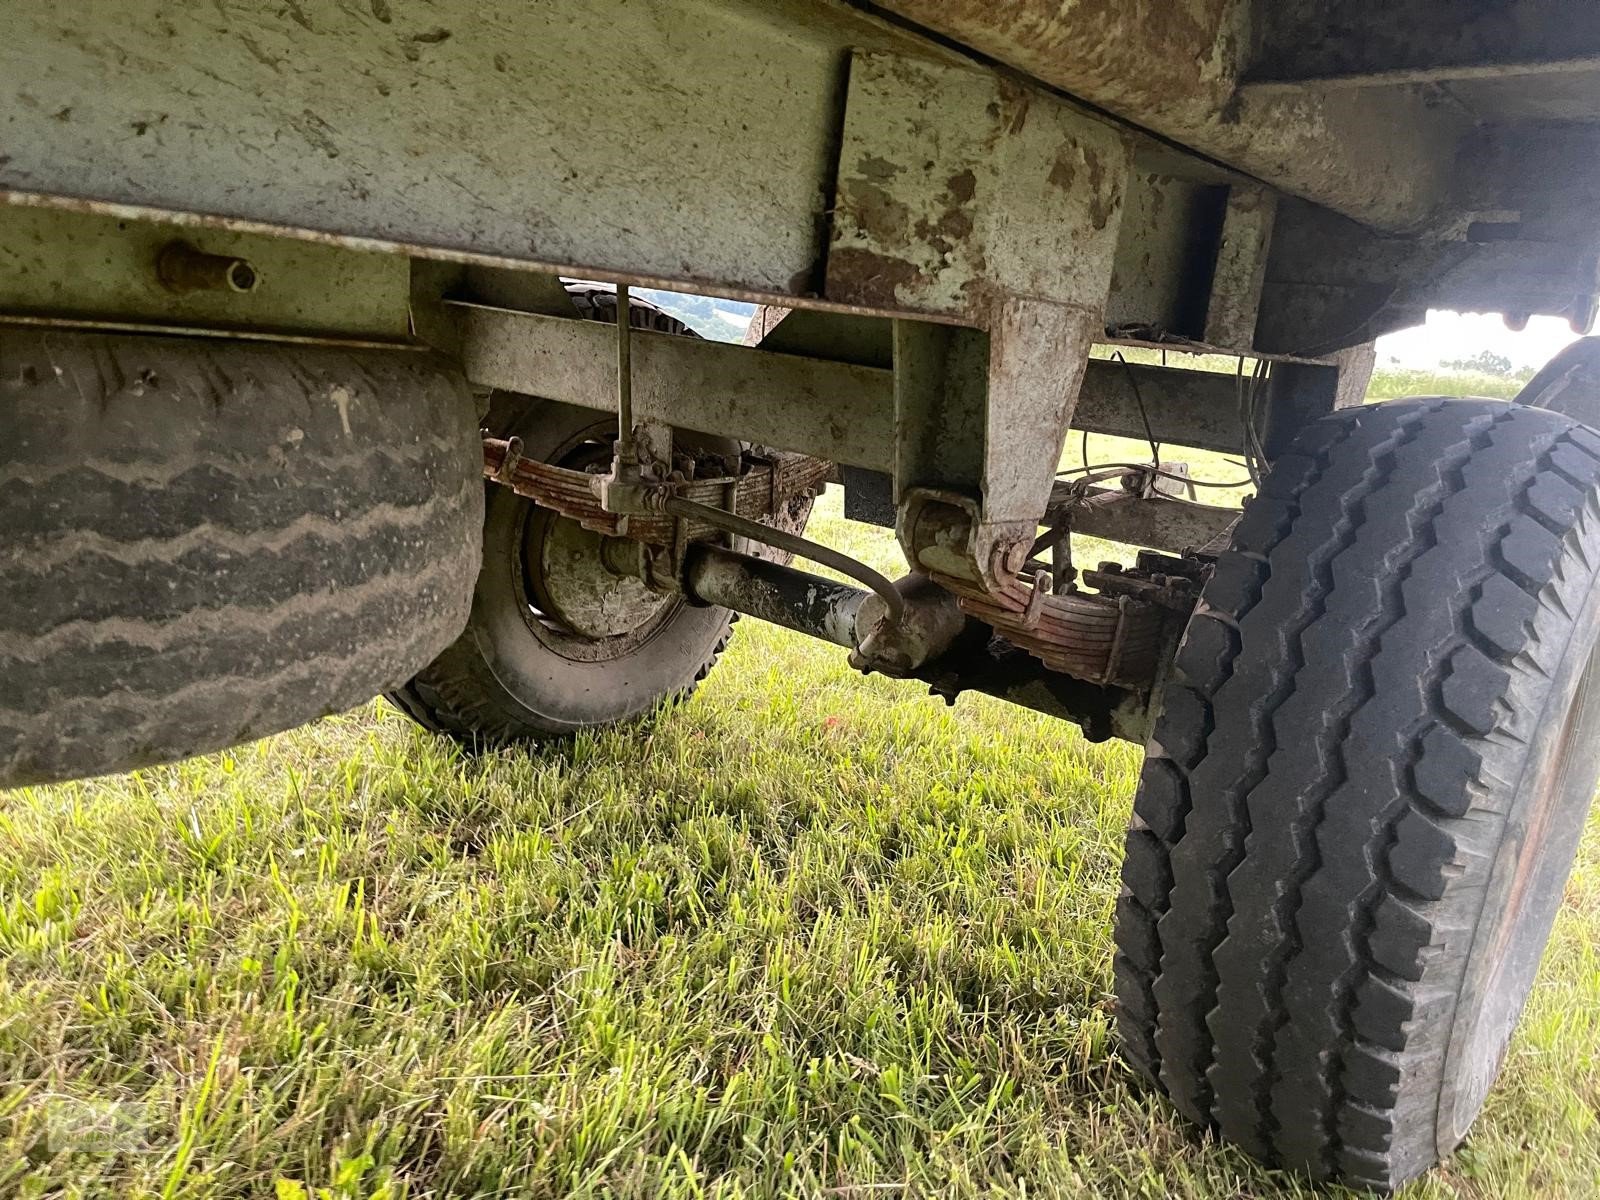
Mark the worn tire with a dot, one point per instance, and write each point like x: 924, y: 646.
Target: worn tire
x: 1329, y: 921
x: 207, y: 541
x: 499, y: 682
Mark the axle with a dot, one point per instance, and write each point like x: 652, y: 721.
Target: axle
x: 1093, y: 657
x: 977, y: 660
x: 769, y: 591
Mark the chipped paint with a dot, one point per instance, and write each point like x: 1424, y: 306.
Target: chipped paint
x: 1175, y: 66
x: 870, y: 279
x: 958, y: 188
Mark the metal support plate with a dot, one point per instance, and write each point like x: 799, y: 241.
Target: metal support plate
x: 1159, y: 522
x: 958, y: 188
x: 1185, y: 407
x: 962, y: 195
x: 1241, y: 266
x: 1382, y: 157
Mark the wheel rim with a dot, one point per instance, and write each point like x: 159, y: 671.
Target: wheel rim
x: 1548, y: 839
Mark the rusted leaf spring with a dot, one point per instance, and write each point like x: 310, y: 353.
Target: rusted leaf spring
x: 1101, y: 639
x: 757, y: 495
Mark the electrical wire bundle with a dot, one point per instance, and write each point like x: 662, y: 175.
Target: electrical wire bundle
x: 1255, y: 458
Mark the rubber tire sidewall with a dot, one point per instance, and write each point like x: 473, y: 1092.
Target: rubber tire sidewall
x: 1559, y: 844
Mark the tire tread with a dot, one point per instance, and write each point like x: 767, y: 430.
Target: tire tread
x: 1279, y: 934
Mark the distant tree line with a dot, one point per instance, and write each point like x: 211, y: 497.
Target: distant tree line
x: 1487, y: 362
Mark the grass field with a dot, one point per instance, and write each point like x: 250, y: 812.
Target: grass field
x: 808, y: 935
x: 1390, y: 382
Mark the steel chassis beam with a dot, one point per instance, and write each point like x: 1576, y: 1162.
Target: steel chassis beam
x: 849, y: 165
x: 1159, y: 522
x: 841, y: 411
x: 1362, y: 43
x: 857, y: 415
x: 1385, y: 158
x: 476, y: 135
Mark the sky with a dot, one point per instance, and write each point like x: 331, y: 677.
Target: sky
x: 1448, y: 336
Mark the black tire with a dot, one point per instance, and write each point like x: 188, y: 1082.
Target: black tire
x: 208, y: 541
x: 514, y: 675
x: 1569, y: 383
x: 1367, y: 785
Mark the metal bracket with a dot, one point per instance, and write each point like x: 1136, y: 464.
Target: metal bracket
x: 964, y: 197
x: 508, y: 465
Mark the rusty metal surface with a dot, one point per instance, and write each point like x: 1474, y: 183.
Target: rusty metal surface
x: 940, y: 380
x: 759, y: 492
x: 1092, y: 638
x: 979, y: 425
x: 794, y: 399
x: 1173, y: 68
x: 1241, y: 266
x: 205, y: 331
x: 1185, y: 407
x: 1039, y: 355
x: 571, y: 582
x: 475, y: 127
x: 837, y: 337
x: 767, y: 532
x: 473, y: 135
x: 14, y: 199
x: 1171, y: 221
x: 783, y: 595
x: 986, y: 663
x: 184, y: 267
x: 756, y: 506
x: 957, y: 188
x: 1098, y: 639
x: 960, y: 192
x: 1332, y: 283
x: 929, y: 623
x: 1021, y: 663
x: 1160, y: 522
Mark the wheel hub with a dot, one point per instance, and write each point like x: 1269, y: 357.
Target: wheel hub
x: 574, y: 586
